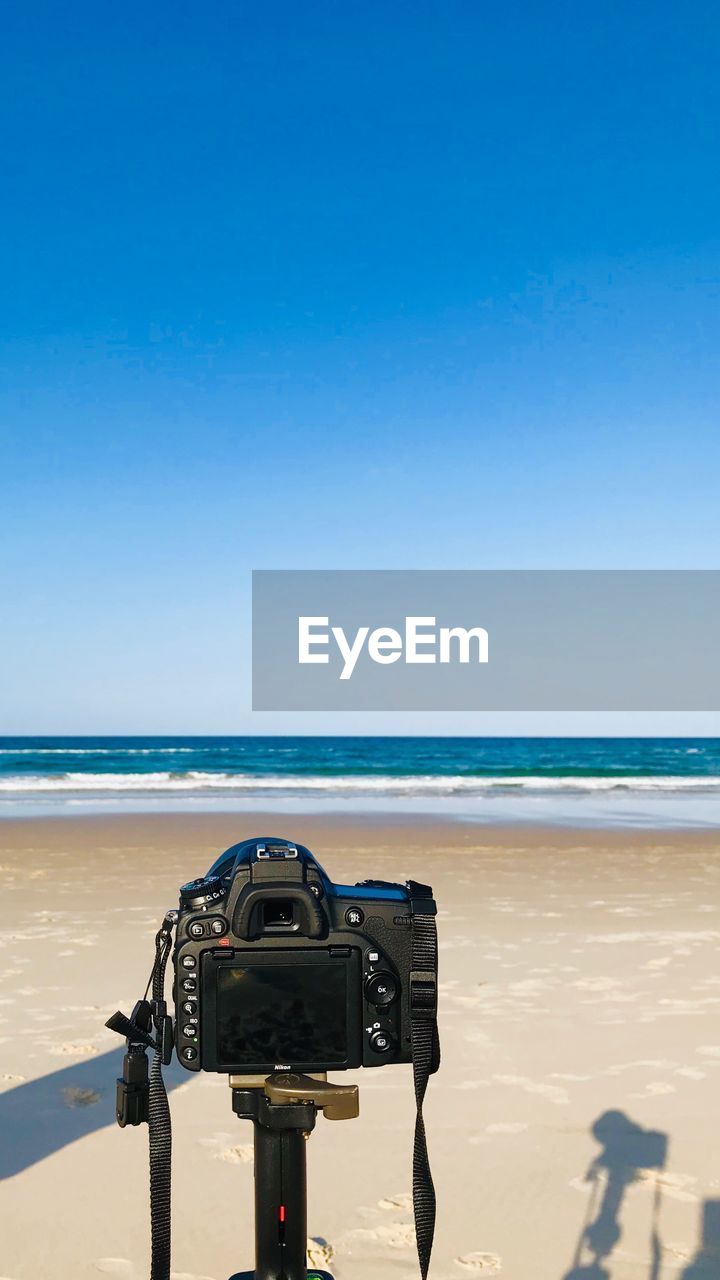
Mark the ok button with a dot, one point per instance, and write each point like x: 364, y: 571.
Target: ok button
x: 381, y: 989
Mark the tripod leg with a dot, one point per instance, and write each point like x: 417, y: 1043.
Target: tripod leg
x: 280, y: 1204
x: 282, y: 1123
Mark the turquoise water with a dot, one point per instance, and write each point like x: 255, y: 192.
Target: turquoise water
x: 636, y: 780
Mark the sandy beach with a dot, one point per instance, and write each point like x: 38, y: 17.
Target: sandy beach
x: 579, y: 977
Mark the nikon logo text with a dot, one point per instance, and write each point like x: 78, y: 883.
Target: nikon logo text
x: 421, y: 642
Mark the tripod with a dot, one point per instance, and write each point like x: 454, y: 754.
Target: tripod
x: 283, y: 1108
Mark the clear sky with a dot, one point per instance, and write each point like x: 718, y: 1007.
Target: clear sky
x: 339, y: 285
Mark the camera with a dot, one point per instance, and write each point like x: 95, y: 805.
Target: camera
x: 277, y: 968
x: 280, y: 975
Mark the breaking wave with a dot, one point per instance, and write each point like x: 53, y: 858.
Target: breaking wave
x: 203, y: 782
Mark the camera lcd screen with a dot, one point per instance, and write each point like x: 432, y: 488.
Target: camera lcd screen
x: 281, y: 1014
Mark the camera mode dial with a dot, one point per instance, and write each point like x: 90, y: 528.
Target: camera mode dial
x: 204, y: 892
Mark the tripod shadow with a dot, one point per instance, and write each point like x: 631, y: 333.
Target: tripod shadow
x: 42, y: 1116
x: 706, y: 1263
x: 627, y: 1151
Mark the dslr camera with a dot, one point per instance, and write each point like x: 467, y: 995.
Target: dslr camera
x: 279, y: 974
x: 277, y: 968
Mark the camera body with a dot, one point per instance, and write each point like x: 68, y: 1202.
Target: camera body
x: 278, y: 968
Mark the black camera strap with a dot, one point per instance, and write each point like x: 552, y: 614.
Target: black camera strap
x: 142, y: 1097
x: 159, y: 1122
x: 425, y: 1044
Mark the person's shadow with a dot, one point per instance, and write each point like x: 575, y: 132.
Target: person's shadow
x: 627, y: 1150
x: 706, y: 1263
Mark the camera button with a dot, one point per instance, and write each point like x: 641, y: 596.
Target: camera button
x: 189, y: 962
x: 189, y: 984
x: 217, y: 926
x: 190, y: 1007
x: 189, y: 1053
x: 354, y: 917
x: 190, y: 1031
x: 197, y: 929
x: 381, y: 1042
x: 381, y: 989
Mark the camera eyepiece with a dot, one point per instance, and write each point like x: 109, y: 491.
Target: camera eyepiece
x: 278, y: 914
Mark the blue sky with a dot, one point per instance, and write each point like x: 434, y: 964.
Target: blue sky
x: 339, y: 286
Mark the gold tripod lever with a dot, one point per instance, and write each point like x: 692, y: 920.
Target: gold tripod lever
x: 338, y: 1101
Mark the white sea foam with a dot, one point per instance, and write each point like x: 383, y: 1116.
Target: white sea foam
x: 199, y: 781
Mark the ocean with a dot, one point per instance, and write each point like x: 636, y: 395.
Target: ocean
x: 595, y: 781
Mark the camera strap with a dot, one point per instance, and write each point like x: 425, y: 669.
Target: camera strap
x: 159, y: 1122
x: 425, y: 1045
x: 142, y: 1097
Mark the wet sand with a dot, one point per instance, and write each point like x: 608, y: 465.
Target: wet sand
x: 579, y: 977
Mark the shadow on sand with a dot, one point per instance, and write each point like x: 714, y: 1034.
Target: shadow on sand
x: 45, y: 1115
x: 706, y: 1263
x: 42, y: 1116
x: 627, y: 1152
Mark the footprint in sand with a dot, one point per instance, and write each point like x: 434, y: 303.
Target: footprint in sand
x: 75, y: 1097
x: 236, y: 1155
x: 394, y: 1235
x: 231, y: 1154
x: 489, y: 1263
x: 401, y: 1203
x: 655, y: 1089
x: 319, y: 1253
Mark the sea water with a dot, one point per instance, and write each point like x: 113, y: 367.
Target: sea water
x: 625, y: 781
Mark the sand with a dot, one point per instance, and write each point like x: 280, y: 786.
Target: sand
x: 579, y: 976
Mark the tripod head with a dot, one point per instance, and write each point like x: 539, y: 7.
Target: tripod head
x: 336, y: 1101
